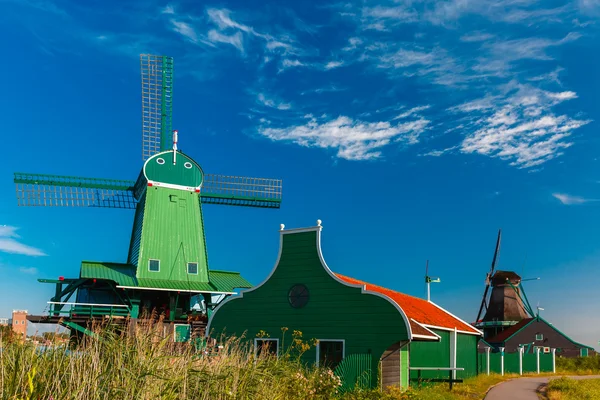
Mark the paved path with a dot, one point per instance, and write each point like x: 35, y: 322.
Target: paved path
x: 524, y: 388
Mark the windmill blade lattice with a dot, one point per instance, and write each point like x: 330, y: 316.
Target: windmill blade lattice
x: 241, y: 191
x: 157, y: 103
x: 68, y: 191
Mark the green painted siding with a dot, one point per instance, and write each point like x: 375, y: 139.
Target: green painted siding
x: 174, y: 174
x: 367, y: 323
x: 511, y: 363
x: 136, y: 232
x: 466, y: 355
x: 404, y: 365
x: 173, y: 233
x: 431, y: 354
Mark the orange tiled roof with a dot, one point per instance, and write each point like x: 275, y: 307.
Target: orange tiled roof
x: 420, y: 310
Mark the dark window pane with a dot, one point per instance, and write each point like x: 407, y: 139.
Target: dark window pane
x: 331, y: 353
x: 267, y: 347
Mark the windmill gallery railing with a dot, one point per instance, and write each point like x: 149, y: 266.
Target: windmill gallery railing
x: 88, y: 310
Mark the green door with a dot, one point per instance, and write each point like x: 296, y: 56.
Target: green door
x: 182, y: 332
x: 584, y: 352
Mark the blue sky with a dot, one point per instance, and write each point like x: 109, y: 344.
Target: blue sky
x: 414, y: 129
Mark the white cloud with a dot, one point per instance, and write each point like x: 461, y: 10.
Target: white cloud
x: 520, y: 126
x: 333, y: 64
x: 28, y: 270
x: 411, y: 112
x: 353, y: 140
x: 568, y: 199
x: 185, y: 29
x: 235, y: 40
x: 476, y: 37
x: 272, y: 102
x: 439, y: 153
x: 10, y: 244
x: 168, y: 9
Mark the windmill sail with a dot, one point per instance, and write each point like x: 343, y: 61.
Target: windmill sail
x: 70, y: 191
x: 157, y: 103
x: 241, y: 191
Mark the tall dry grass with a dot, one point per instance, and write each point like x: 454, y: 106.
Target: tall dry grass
x: 150, y: 366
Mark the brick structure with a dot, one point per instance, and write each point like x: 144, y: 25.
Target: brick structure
x: 19, y: 322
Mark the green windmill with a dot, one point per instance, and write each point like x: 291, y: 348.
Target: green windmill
x: 167, y: 264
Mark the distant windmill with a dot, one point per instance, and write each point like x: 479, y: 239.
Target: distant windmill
x: 167, y: 252
x: 429, y: 280
x: 507, y: 304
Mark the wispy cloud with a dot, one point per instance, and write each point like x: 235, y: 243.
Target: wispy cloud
x: 28, y: 270
x: 185, y: 29
x: 569, y: 200
x: 333, y: 64
x: 235, y: 39
x: 272, y: 102
x: 10, y: 244
x: 352, y: 139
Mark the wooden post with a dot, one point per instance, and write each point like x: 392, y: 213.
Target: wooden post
x: 451, y: 373
x: 521, y: 360
x: 553, y: 360
x: 487, y: 351
x: 537, y: 356
x: 502, y: 361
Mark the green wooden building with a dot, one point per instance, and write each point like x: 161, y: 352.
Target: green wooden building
x: 361, y: 328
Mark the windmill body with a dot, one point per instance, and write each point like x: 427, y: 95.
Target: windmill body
x: 167, y: 262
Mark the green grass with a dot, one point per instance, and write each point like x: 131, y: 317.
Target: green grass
x: 570, y: 389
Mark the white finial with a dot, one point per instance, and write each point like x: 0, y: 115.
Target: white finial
x: 319, y: 222
x: 281, y: 227
x: 174, y: 147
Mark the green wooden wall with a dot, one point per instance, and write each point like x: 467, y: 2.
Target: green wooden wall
x: 466, y: 348
x: 368, y: 323
x: 437, y: 354
x: 172, y: 231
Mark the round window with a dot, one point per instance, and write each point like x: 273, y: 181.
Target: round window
x: 188, y: 165
x: 298, y: 296
x: 161, y: 161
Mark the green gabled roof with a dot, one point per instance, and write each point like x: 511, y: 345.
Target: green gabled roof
x: 122, y: 274
x: 226, y: 281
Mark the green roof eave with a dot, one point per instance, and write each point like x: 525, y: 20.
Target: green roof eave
x: 122, y: 274
x: 227, y: 281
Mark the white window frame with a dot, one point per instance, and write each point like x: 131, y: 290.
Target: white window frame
x: 188, y: 268
x: 330, y: 340
x: 541, y: 335
x: 153, y: 259
x: 256, y: 340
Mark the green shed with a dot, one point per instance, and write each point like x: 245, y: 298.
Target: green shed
x: 360, y: 328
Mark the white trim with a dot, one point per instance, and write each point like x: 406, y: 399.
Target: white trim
x: 175, y: 331
x: 479, y: 333
x: 172, y: 186
x: 185, y: 164
x: 159, y: 159
x: 442, y: 328
x: 316, y: 229
x: 453, y: 355
x: 87, y: 304
x: 553, y: 360
x: 330, y: 340
x: 153, y: 259
x: 266, y: 339
x: 172, y: 290
x: 435, y: 335
x: 188, y: 268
